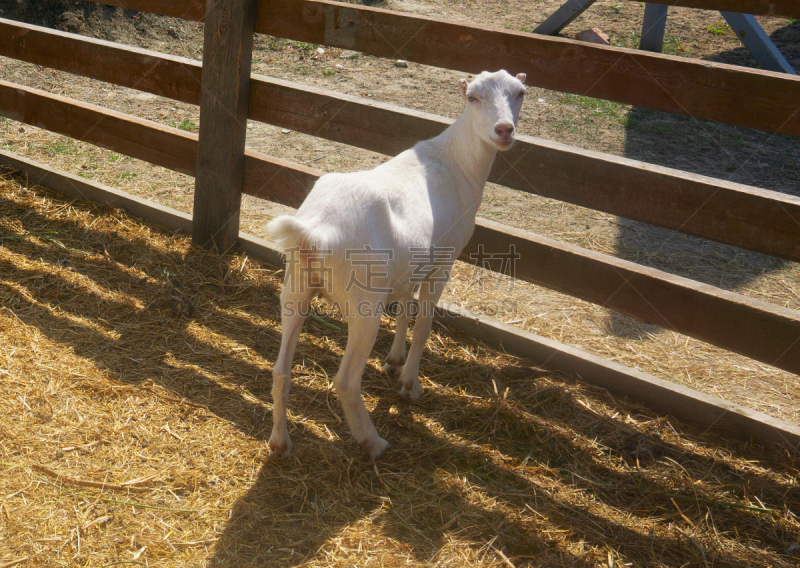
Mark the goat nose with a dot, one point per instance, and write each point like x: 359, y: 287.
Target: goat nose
x: 504, y: 129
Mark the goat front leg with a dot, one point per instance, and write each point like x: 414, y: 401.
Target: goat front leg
x: 294, y: 308
x: 429, y: 294
x: 361, y: 334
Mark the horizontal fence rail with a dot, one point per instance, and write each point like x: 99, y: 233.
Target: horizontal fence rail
x: 142, y: 139
x: 752, y: 98
x: 785, y: 8
x: 161, y: 74
x: 150, y: 71
x: 739, y: 215
x: 196, y: 9
x: 744, y: 97
x: 762, y: 331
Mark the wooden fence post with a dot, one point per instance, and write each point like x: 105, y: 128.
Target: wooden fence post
x: 224, y: 103
x: 654, y: 25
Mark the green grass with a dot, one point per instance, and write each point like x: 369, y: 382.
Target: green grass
x: 674, y: 46
x: 124, y: 176
x: 631, y: 40
x: 185, y: 124
x: 601, y: 106
x: 303, y: 46
x: 524, y: 28
x: 565, y: 125
x: 61, y: 146
x: 720, y: 28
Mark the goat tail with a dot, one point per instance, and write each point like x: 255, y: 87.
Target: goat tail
x: 290, y: 232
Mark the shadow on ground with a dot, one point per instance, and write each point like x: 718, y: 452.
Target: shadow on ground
x: 740, y: 155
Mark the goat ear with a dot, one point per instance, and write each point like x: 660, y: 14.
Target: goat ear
x: 522, y: 77
x: 463, y: 84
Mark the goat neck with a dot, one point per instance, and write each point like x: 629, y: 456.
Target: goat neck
x: 469, y: 155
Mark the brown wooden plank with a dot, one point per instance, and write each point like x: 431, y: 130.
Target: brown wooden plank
x: 195, y: 9
x: 743, y: 216
x: 745, y: 97
x: 88, y: 190
x: 186, y: 9
x: 784, y: 8
x: 278, y: 180
x: 357, y: 121
x: 224, y: 103
x: 265, y: 176
x: 756, y: 329
x: 126, y: 134
x: 705, y: 411
x: 161, y: 74
x: 708, y: 412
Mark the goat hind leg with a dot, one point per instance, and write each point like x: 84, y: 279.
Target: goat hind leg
x: 361, y: 334
x: 397, y: 355
x: 294, y: 308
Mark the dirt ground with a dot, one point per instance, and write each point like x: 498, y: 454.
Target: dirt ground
x: 134, y: 372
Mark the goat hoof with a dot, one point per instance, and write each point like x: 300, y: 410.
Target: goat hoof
x: 392, y: 369
x: 280, y: 449
x: 412, y: 392
x: 396, y: 361
x: 375, y: 448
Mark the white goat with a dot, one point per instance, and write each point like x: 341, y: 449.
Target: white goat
x: 370, y: 238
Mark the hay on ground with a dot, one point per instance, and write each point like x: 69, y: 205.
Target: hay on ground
x: 135, y: 375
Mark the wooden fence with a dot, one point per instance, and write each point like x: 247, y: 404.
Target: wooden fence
x: 743, y: 216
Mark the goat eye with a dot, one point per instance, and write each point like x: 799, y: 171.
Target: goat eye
x: 521, y: 95
x: 472, y: 98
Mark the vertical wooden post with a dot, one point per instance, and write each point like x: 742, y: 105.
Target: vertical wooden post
x: 653, y: 27
x: 225, y: 99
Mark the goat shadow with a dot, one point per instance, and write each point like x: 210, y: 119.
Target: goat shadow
x: 731, y: 153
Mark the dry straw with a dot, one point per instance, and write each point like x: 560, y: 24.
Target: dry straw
x: 135, y: 376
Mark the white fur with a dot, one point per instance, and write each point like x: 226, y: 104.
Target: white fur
x: 425, y: 197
